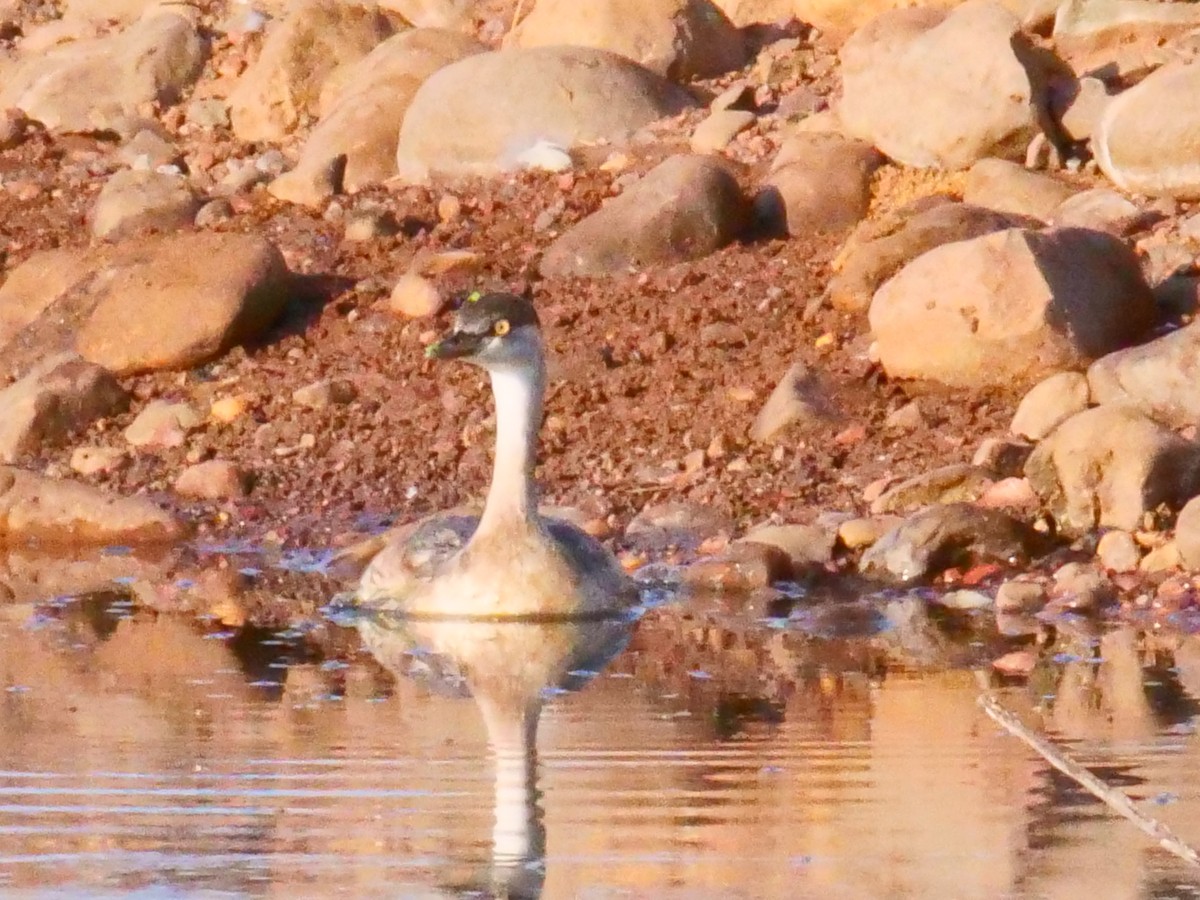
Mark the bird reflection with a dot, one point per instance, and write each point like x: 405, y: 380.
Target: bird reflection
x: 510, y: 668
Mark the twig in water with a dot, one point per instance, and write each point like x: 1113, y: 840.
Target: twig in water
x: 1116, y: 800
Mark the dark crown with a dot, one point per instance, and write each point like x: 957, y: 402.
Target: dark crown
x: 480, y: 312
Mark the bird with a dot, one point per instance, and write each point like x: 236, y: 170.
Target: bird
x: 511, y: 561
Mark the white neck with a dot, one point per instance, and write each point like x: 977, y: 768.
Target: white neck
x: 513, y: 494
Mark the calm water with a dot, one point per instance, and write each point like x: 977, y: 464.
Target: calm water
x: 152, y: 756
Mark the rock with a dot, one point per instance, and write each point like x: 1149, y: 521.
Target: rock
x: 1100, y: 209
x: 326, y: 393
x: 1083, y: 112
x: 804, y: 545
x: 935, y: 90
x: 855, y: 534
x: 1016, y: 663
x: 954, y: 535
x: 163, y: 424
x: 680, y: 39
x: 741, y: 568
x: 1020, y: 597
x: 908, y: 417
x: 310, y: 186
x: 1121, y: 41
x: 1149, y: 136
x: 283, y: 85
x: 89, y: 461
x: 1011, y: 188
x: 1011, y: 494
x: 1110, y: 465
x: 515, y: 98
x: 1187, y: 534
x: 133, y: 201
x: 878, y: 249
x: 93, y: 84
x: 818, y: 183
x: 431, y: 13
x: 1162, y: 377
x: 164, y: 305
x: 963, y: 600
x: 215, y: 479
x: 363, y: 105
x: 722, y: 126
x: 148, y: 150
x: 121, y: 11
x: 683, y: 209
x: 56, y: 399
x: 58, y: 513
x: 1010, y: 307
x: 1082, y: 587
x: 677, y: 524
x: 1004, y: 458
x: 229, y: 409
x: 948, y: 484
x: 738, y: 97
x: 1163, y: 558
x: 801, y: 395
x: 1118, y: 551
x: 369, y: 225
x: 1050, y: 403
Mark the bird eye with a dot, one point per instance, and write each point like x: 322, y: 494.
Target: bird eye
x: 501, y: 328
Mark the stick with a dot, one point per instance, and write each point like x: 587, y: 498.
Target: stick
x: 516, y: 15
x: 1118, y: 801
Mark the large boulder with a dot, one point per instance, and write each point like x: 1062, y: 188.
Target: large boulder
x: 364, y: 103
x: 283, y: 86
x: 936, y: 90
x: 479, y: 115
x: 880, y: 247
x: 159, y: 303
x: 683, y: 209
x: 94, y: 85
x: 818, y: 183
x: 1010, y: 307
x: 1108, y: 466
x: 1162, y: 377
x: 1148, y: 138
x: 681, y: 39
x: 64, y: 513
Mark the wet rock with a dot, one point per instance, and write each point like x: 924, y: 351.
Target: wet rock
x: 719, y: 129
x: 964, y: 600
x: 1081, y: 587
x: 91, y: 85
x: 1010, y: 306
x: 1109, y: 466
x: 363, y: 105
x: 742, y: 568
x: 89, y: 461
x: 1149, y: 136
x: 52, y: 512
x: 879, y: 248
x: 1004, y: 458
x: 855, y: 534
x: 937, y: 90
x: 166, y: 306
x: 948, y: 484
x: 134, y: 201
x: 802, y: 395
x: 1161, y: 377
x: 681, y: 39
x: 515, y: 98
x: 1118, y: 551
x: 954, y: 535
x: 1015, y: 597
x: 818, y: 183
x: 1016, y: 663
x: 1011, y: 188
x: 283, y: 86
x: 163, y: 424
x: 216, y: 479
x: 1050, y: 403
x: 1187, y: 534
x: 804, y: 545
x: 56, y: 399
x: 684, y: 208
x: 676, y: 524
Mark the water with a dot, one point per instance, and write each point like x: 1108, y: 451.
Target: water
x: 153, y: 756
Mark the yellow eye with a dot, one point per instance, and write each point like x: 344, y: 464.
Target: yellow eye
x: 474, y: 297
x: 501, y: 328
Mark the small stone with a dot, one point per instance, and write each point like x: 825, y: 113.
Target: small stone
x: 449, y: 207
x: 1016, y: 663
x: 948, y: 484
x: 146, y: 150
x: 742, y: 568
x: 214, y: 212
x: 207, y: 113
x: 1187, y: 534
x: 163, y: 424
x: 322, y: 394
x: 964, y: 600
x: 137, y: 201
x: 1080, y: 587
x: 212, y: 480
x: 714, y: 133
x: 1010, y: 493
x: 739, y: 95
x: 1118, y: 551
x: 370, y: 225
x: 1162, y: 559
x: 906, y: 418
x: 13, y: 125
x: 856, y: 534
x: 89, y: 461
x: 1050, y: 403
x: 415, y: 297
x: 723, y: 334
x: 801, y: 395
x: 229, y: 409
x: 311, y: 187
x: 1020, y: 597
x: 1004, y: 457
x: 804, y: 545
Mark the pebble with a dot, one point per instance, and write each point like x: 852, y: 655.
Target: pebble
x: 1081, y: 587
x: 1020, y: 597
x: 322, y: 394
x: 97, y: 460
x: 856, y: 534
x: 163, y: 424
x: 742, y: 568
x: 415, y: 297
x: 1162, y: 559
x: 370, y: 225
x: 212, y: 480
x: 964, y: 600
x: 1118, y: 551
x: 229, y: 409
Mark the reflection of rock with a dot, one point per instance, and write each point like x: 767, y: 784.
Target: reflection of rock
x: 508, y: 668
x: 31, y: 576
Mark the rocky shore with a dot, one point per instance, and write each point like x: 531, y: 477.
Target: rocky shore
x: 831, y: 288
